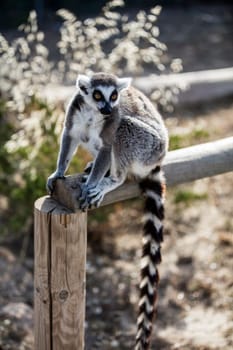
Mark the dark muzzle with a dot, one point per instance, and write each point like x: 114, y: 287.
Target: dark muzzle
x: 106, y: 110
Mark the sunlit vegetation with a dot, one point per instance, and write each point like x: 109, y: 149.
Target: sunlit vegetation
x: 30, y: 127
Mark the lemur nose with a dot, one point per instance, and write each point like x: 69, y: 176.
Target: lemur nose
x: 106, y: 110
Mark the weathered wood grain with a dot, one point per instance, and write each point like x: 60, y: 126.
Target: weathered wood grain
x: 180, y: 166
x: 60, y: 259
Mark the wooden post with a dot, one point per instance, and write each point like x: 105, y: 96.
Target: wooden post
x: 60, y: 259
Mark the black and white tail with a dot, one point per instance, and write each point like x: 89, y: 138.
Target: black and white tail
x: 153, y: 188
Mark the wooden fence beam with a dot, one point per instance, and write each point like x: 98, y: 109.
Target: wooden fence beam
x: 180, y: 166
x: 60, y: 265
x: 197, y: 87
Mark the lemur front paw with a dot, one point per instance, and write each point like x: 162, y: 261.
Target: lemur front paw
x: 50, y: 186
x: 90, y: 197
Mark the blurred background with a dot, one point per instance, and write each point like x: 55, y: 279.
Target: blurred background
x: 43, y: 46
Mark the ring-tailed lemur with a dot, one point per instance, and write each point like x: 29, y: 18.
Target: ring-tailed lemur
x: 126, y: 136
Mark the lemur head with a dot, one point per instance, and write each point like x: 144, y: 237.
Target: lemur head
x: 102, y: 91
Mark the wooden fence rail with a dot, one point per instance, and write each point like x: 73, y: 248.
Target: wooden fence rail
x: 60, y: 243
x: 180, y: 166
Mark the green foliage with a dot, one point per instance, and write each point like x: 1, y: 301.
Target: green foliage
x: 5, y: 132
x: 26, y: 161
x: 195, y: 136
x: 30, y: 128
x: 186, y: 196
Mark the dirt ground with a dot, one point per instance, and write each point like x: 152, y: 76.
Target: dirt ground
x: 196, y: 288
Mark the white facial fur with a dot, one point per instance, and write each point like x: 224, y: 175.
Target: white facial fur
x: 84, y: 84
x: 83, y: 80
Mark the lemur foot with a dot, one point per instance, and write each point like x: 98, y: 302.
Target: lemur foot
x: 90, y: 197
x: 87, y: 171
x: 50, y: 186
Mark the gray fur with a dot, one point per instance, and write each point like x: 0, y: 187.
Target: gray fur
x: 132, y: 140
x: 126, y: 136
x: 100, y: 79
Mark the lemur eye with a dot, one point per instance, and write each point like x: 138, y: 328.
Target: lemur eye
x: 114, y: 96
x: 97, y: 95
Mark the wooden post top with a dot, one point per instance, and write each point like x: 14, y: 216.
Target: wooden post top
x: 48, y: 204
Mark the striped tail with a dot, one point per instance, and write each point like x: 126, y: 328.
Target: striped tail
x: 153, y: 187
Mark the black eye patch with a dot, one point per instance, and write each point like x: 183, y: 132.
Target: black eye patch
x: 98, y: 96
x: 114, y: 96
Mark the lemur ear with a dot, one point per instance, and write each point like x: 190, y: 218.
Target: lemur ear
x: 123, y: 83
x: 83, y: 81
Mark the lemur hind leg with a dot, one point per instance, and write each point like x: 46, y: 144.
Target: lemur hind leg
x: 88, y: 169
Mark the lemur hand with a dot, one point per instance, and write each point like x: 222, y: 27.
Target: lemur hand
x: 52, y: 180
